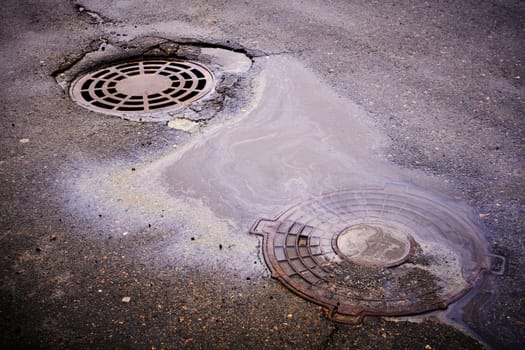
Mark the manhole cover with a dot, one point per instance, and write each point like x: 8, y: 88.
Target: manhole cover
x: 379, y: 251
x: 142, y: 88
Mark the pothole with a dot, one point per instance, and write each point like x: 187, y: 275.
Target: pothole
x: 377, y: 251
x: 152, y: 79
x: 142, y: 88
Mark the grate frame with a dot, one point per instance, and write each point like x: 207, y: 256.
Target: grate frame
x: 300, y: 249
x: 143, y: 89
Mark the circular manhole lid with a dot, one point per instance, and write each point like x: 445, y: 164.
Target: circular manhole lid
x: 386, y: 252
x: 141, y: 89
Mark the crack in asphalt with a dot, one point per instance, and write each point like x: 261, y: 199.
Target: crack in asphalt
x: 72, y: 59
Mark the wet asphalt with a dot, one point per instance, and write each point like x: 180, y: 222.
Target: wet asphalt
x: 443, y: 81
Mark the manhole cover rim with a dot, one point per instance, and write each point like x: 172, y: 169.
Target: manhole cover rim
x: 357, y: 312
x: 158, y: 114
x: 267, y: 228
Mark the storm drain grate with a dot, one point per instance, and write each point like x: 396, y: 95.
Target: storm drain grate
x: 142, y: 87
x: 379, y: 251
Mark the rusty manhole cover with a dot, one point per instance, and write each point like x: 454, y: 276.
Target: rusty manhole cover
x: 142, y: 88
x: 378, y: 251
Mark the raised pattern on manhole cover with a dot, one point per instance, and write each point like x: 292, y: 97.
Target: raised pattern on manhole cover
x: 372, y: 245
x: 142, y: 88
x: 378, y: 251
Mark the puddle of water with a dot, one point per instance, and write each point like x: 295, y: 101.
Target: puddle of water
x: 300, y: 140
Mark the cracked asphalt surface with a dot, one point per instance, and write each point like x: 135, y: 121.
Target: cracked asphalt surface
x: 444, y: 80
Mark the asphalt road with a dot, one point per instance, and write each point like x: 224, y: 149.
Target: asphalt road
x: 442, y: 81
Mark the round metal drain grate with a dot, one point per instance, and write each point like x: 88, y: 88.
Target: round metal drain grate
x: 142, y: 88
x: 379, y: 251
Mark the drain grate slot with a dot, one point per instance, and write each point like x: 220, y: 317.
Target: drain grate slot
x: 86, y: 96
x: 142, y: 87
x: 133, y: 103
x: 129, y: 109
x: 111, y: 100
x: 102, y: 105
x: 303, y: 241
x: 100, y: 73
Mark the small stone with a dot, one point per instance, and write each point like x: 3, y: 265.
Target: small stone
x: 126, y: 299
x: 24, y: 140
x: 184, y: 125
